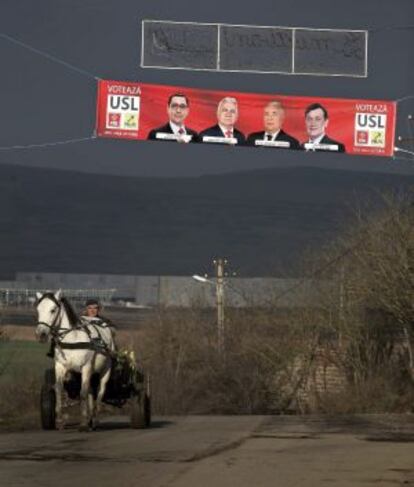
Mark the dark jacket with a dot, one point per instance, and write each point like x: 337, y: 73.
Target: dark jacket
x: 327, y: 140
x: 216, y: 131
x: 166, y: 129
x: 282, y: 136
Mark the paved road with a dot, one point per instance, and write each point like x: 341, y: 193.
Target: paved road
x: 216, y: 451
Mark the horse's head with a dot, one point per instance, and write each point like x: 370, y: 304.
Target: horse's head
x: 48, y: 308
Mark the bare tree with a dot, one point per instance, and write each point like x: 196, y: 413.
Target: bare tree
x: 372, y: 304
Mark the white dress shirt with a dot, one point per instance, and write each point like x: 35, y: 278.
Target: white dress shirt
x: 273, y: 136
x: 176, y: 128
x: 317, y: 140
x: 224, y: 130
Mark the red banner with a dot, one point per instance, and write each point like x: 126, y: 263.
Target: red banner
x: 169, y: 113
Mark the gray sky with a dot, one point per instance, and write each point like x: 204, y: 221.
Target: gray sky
x: 43, y: 101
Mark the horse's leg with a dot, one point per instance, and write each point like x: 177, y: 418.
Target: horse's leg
x: 91, y: 406
x: 86, y: 374
x: 60, y: 373
x: 101, y: 391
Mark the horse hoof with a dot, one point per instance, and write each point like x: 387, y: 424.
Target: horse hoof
x: 60, y: 425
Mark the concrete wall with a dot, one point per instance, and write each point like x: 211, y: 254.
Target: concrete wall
x: 176, y: 290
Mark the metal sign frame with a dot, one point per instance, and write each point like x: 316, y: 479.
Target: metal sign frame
x: 218, y: 67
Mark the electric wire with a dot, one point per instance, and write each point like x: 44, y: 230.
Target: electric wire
x: 391, y: 28
x: 408, y: 97
x: 82, y: 139
x: 47, y: 144
x: 49, y: 56
x: 65, y: 64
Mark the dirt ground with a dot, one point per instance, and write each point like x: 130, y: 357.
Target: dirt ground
x: 277, y: 451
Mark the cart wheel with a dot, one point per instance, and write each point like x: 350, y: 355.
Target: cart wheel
x: 50, y: 377
x: 139, y: 415
x: 47, y: 407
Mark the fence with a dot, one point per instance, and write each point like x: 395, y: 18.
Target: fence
x: 27, y: 297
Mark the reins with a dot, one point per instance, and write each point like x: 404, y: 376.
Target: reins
x: 53, y: 330
x: 95, y: 344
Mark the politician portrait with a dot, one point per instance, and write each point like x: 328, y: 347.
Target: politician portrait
x: 316, y: 122
x: 178, y: 109
x: 225, y: 131
x: 273, y: 134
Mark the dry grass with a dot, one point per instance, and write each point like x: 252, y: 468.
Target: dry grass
x: 17, y: 332
x: 22, y: 365
x: 258, y: 373
x: 269, y: 357
x: 125, y: 338
x: 22, y: 411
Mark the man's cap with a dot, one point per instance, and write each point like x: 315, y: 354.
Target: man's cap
x: 92, y: 302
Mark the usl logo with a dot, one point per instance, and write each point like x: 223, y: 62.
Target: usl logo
x: 369, y: 120
x: 123, y: 103
x: 370, y: 129
x: 123, y: 112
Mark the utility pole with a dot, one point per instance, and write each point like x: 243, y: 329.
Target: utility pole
x: 342, y: 291
x: 219, y: 283
x: 219, y: 265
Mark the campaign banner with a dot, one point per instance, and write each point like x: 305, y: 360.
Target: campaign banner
x: 140, y: 111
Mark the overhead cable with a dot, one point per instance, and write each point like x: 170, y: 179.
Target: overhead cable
x: 47, y: 144
x: 48, y: 56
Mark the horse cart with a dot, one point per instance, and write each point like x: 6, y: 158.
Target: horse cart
x: 127, y: 386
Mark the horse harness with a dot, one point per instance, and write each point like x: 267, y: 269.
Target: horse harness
x: 97, y: 344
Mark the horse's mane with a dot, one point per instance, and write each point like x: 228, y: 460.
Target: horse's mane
x: 72, y: 315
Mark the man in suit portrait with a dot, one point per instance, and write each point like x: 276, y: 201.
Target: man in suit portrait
x: 225, y: 131
x: 273, y: 135
x: 178, y: 108
x: 316, y: 121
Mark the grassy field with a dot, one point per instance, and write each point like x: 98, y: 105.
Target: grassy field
x: 22, y: 358
x: 22, y: 365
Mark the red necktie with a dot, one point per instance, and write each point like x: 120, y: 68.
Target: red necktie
x: 228, y: 134
x: 181, y: 131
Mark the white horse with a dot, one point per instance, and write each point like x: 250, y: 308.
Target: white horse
x: 79, y: 347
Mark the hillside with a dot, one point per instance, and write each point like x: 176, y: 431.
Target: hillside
x: 262, y: 221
